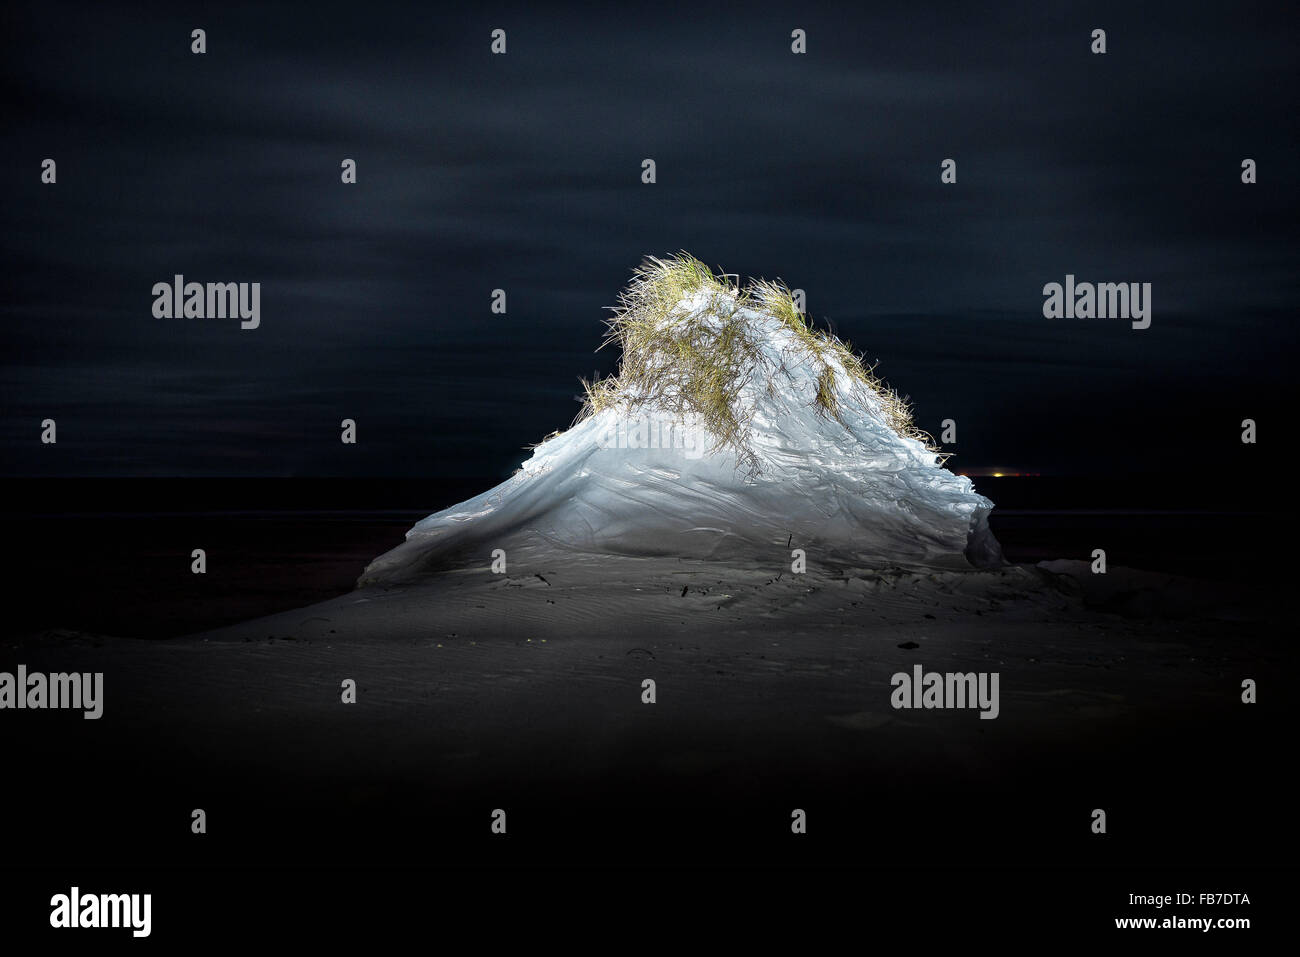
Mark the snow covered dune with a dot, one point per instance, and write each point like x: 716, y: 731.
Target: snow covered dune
x: 733, y: 431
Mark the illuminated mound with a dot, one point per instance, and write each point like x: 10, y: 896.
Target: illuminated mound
x: 733, y: 430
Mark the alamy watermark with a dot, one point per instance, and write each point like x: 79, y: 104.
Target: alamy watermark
x: 76, y: 909
x: 653, y: 432
x: 36, y: 691
x: 930, y: 689
x: 179, y: 299
x: 1103, y: 300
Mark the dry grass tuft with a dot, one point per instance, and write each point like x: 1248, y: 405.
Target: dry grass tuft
x: 696, y: 360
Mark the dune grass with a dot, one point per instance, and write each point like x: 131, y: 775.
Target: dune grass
x: 689, y: 342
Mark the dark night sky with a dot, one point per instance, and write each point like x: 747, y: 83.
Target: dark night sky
x: 523, y: 172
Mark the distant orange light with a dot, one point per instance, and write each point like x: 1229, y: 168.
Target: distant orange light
x: 989, y: 473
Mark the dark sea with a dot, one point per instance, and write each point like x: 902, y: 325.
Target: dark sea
x: 112, y: 556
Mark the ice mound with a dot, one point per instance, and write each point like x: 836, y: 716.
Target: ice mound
x: 733, y: 430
